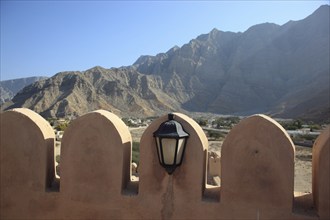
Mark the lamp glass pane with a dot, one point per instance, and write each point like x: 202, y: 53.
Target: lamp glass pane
x: 169, y: 146
x: 180, y: 150
x: 159, y: 152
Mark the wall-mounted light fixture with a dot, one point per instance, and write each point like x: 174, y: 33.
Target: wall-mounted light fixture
x: 171, y: 142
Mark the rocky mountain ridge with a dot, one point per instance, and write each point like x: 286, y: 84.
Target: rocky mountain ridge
x: 9, y: 88
x: 123, y: 91
x: 273, y: 69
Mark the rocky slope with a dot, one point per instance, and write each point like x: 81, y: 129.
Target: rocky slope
x: 282, y: 70
x: 123, y: 91
x: 279, y: 70
x: 9, y: 88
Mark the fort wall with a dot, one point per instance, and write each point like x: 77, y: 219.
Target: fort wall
x: 257, y: 172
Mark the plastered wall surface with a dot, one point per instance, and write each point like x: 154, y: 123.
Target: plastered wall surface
x: 257, y: 172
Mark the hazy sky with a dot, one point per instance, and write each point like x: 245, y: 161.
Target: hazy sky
x: 41, y: 38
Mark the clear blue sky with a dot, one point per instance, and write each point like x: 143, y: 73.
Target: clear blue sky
x: 42, y: 38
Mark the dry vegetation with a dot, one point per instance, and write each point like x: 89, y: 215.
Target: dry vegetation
x: 303, y: 161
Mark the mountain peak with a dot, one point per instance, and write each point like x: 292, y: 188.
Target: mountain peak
x: 173, y: 49
x: 322, y: 13
x: 263, y: 27
x: 267, y: 69
x: 96, y: 69
x: 214, y: 31
x: 322, y: 8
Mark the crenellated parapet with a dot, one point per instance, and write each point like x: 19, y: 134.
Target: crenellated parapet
x: 321, y: 174
x: 257, y: 172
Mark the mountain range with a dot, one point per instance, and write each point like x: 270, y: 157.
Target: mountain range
x: 280, y: 70
x: 9, y: 88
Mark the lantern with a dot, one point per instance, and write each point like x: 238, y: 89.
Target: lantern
x: 171, y: 142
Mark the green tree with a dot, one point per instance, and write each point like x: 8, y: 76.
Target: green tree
x: 62, y: 126
x: 298, y: 123
x: 215, y: 134
x: 127, y: 121
x: 293, y: 125
x: 201, y: 121
x: 226, y: 122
